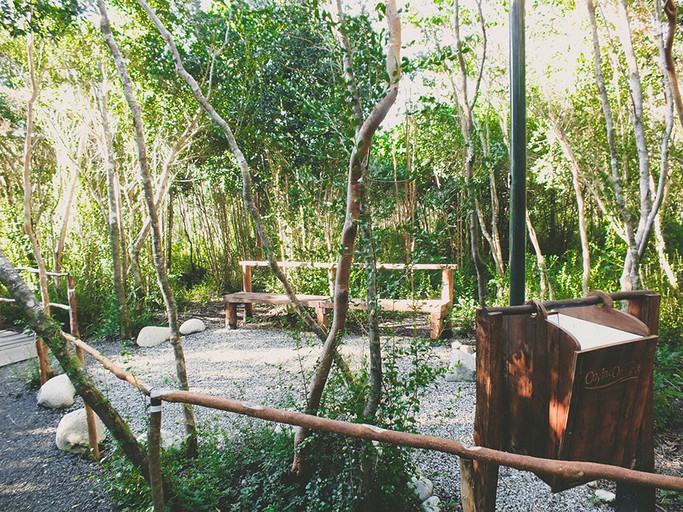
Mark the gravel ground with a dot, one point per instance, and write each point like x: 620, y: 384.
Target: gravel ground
x: 257, y: 365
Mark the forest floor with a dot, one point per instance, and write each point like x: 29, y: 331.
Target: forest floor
x: 260, y: 363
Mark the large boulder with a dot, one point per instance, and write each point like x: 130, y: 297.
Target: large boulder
x: 151, y: 336
x: 191, y: 326
x: 72, y: 432
x: 57, y: 393
x: 463, y: 363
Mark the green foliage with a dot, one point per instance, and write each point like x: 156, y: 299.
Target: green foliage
x: 668, y: 387
x: 249, y: 470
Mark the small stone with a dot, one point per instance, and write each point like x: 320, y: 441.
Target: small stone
x: 72, y: 432
x: 606, y: 496
x: 432, y: 504
x: 191, y: 326
x: 468, y: 349
x: 57, y: 393
x: 422, y: 487
x: 462, y: 367
x: 151, y: 336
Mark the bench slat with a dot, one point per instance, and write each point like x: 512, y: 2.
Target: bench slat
x: 406, y: 306
x: 271, y: 298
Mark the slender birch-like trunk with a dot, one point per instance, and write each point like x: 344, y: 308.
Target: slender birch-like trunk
x: 580, y: 205
x: 45, y: 370
x: 357, y: 165
x: 157, y: 247
x: 113, y: 215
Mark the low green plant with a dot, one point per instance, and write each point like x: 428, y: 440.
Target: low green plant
x: 668, y: 387
x: 249, y: 470
x: 246, y: 467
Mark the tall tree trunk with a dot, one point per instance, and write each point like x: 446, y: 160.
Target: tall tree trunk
x: 47, y: 329
x: 617, y: 187
x: 113, y: 216
x: 45, y: 370
x: 466, y: 103
x: 578, y: 194
x: 158, y: 250
x: 545, y: 285
x: 671, y: 11
x: 357, y: 165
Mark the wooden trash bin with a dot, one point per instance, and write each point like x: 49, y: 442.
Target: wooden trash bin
x: 566, y: 380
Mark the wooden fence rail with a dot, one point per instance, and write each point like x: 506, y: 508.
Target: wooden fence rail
x: 562, y: 468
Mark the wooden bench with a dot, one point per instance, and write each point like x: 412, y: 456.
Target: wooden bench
x: 438, y: 309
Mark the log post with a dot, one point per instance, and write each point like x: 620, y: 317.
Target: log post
x: 41, y: 350
x: 447, y: 285
x: 331, y: 277
x: 633, y: 498
x: 75, y: 332
x: 154, y: 454
x: 479, y: 480
x: 247, y: 287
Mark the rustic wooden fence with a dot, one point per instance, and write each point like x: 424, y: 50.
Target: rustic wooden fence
x: 560, y: 468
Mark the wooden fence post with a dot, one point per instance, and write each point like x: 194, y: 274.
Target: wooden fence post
x: 154, y: 454
x: 75, y: 332
x: 479, y: 480
x: 633, y: 498
x: 247, y: 287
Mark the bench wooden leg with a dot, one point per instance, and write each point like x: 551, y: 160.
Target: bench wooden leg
x: 322, y: 315
x: 436, y: 324
x: 231, y: 315
x: 248, y: 311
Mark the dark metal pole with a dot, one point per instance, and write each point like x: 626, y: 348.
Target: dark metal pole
x: 517, y: 153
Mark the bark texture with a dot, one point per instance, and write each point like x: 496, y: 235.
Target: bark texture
x: 157, y: 246
x: 113, y: 215
x: 357, y: 164
x: 48, y: 330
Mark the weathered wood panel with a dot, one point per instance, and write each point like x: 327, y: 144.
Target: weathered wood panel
x: 15, y: 347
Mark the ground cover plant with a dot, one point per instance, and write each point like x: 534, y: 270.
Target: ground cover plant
x: 280, y: 163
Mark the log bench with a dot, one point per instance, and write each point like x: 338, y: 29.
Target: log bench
x: 438, y: 309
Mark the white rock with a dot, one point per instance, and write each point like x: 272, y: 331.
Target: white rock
x: 72, y: 432
x: 191, y: 326
x: 462, y: 367
x: 57, y: 393
x: 422, y: 487
x: 169, y: 440
x: 151, y: 336
x: 606, y: 496
x: 432, y: 504
x: 469, y: 349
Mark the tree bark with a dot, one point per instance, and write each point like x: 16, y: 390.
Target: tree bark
x: 157, y: 247
x: 619, y: 197
x: 48, y: 330
x: 45, y: 370
x: 113, y: 216
x: 357, y: 164
x: 578, y: 194
x: 466, y: 105
x: 545, y: 284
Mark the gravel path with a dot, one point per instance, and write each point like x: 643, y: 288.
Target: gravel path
x: 257, y: 365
